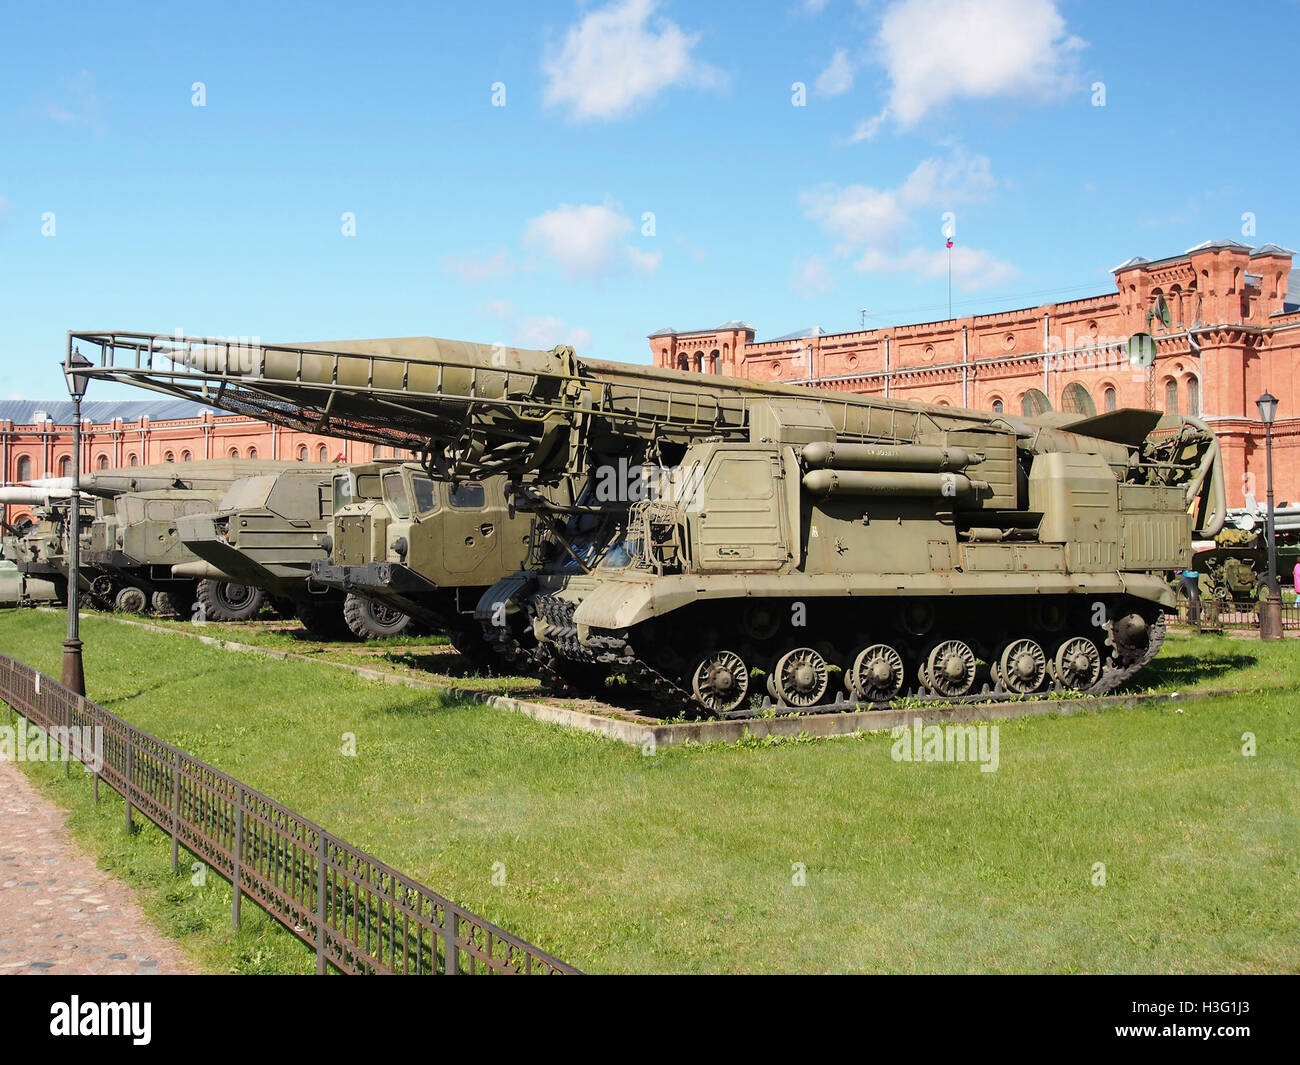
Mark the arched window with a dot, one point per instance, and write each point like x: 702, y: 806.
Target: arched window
x: 1076, y: 400
x: 252, y: 452
x: 65, y: 466
x: 1034, y: 402
x: 131, y: 460
x: 101, y: 463
x: 186, y: 456
x: 169, y: 456
x: 322, y: 453
x: 997, y: 406
x: 1171, y: 396
x: 24, y: 468
x: 234, y: 452
x: 1194, y: 397
x: 1109, y: 398
x: 302, y: 453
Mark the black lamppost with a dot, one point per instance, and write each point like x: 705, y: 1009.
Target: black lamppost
x: 74, y: 674
x: 1270, y: 611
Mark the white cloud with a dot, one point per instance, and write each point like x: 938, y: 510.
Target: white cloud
x: 936, y: 50
x: 862, y: 216
x: 811, y: 277
x: 868, y: 224
x: 474, y: 270
x: 615, y: 58
x: 837, y: 78
x: 972, y: 268
x: 587, y: 241
x: 546, y: 332
x: 502, y: 309
x: 77, y: 102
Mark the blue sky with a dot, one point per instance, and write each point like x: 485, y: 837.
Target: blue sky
x: 525, y: 223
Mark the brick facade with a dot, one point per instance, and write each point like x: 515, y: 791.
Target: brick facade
x: 1233, y: 334
x: 30, y: 452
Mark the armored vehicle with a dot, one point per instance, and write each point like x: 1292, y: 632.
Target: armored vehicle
x: 1233, y: 569
x: 133, y: 542
x: 776, y: 536
x: 267, y: 532
x: 405, y: 543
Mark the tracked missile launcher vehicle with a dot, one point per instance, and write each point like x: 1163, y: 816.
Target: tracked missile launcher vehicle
x: 808, y: 548
x: 410, y: 545
x: 267, y: 532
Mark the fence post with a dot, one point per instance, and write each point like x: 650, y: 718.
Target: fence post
x: 320, y: 903
x: 130, y: 781
x: 239, y: 849
x: 176, y: 808
x: 67, y: 739
x: 450, y: 952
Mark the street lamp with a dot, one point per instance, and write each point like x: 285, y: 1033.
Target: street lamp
x: 1270, y: 613
x: 74, y: 674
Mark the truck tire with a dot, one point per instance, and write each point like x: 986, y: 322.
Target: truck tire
x: 369, y: 620
x: 130, y: 600
x: 225, y: 601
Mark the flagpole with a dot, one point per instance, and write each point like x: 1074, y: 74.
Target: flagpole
x: 950, y: 278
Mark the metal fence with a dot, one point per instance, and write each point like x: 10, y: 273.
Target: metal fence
x: 360, y: 915
x: 1214, y: 615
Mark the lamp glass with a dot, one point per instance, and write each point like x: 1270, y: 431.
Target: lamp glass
x: 1267, y: 404
x: 77, y: 381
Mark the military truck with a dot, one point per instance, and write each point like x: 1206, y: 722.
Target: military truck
x: 267, y: 531
x: 780, y: 536
x: 134, y: 546
x: 404, y: 543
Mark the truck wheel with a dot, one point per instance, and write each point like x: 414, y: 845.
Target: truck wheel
x: 166, y: 604
x: 369, y: 620
x: 322, y: 620
x: 130, y: 600
x: 224, y: 601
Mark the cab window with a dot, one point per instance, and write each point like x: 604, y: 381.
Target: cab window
x: 426, y: 496
x: 468, y: 496
x: 395, y: 493
x: 342, y: 492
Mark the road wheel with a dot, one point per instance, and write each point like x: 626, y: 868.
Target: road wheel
x: 166, y: 604
x: 370, y: 620
x: 130, y: 601
x: 224, y: 601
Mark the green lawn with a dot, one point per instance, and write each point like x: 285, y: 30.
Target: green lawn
x: 682, y: 861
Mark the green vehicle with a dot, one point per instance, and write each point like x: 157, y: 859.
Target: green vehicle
x: 134, y: 545
x: 403, y: 543
x: 267, y: 532
x: 736, y: 541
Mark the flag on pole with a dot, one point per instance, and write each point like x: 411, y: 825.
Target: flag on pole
x: 949, y: 244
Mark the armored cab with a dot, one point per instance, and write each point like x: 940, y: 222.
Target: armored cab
x: 267, y: 531
x: 733, y: 540
x: 402, y: 542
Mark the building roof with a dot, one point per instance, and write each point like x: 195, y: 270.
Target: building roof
x: 1222, y: 242
x: 1292, y: 302
x: 799, y: 334
x: 23, y: 411
x: 1271, y: 249
x: 1127, y: 264
x: 669, y: 331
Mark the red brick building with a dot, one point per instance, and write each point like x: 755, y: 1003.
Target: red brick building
x: 1233, y: 334
x: 36, y: 439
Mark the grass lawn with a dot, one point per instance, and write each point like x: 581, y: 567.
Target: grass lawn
x: 682, y: 861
